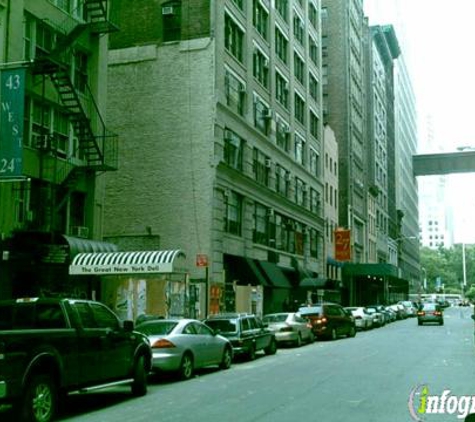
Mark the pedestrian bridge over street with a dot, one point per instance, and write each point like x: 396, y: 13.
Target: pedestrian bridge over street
x: 444, y: 163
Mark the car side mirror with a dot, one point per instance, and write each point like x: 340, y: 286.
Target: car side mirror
x: 128, y: 325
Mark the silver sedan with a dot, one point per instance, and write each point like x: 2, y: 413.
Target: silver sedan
x: 289, y: 327
x: 183, y: 345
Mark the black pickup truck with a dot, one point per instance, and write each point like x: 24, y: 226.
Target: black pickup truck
x: 51, y: 347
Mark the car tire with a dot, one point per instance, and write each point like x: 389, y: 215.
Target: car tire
x: 311, y: 338
x: 419, y: 322
x: 271, y: 349
x: 251, y: 353
x: 352, y: 332
x: 441, y: 323
x: 40, y: 400
x: 226, y: 359
x: 139, y: 384
x: 333, y: 335
x: 298, y: 342
x: 186, y: 367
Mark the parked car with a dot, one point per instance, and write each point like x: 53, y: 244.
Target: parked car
x: 430, y: 312
x: 329, y: 320
x: 411, y: 310
x: 379, y: 319
x: 363, y: 320
x: 289, y: 327
x: 184, y: 345
x: 400, y: 311
x: 50, y: 347
x: 247, y: 333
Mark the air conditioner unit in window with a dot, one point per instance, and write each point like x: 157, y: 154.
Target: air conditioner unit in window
x: 268, y: 162
x: 80, y: 231
x: 167, y: 10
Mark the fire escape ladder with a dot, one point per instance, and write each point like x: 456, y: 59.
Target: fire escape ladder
x: 98, y: 16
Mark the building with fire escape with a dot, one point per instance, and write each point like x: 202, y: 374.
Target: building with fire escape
x: 54, y: 143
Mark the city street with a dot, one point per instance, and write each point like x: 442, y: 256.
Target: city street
x: 366, y: 378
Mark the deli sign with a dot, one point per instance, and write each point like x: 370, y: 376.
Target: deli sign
x: 343, y: 245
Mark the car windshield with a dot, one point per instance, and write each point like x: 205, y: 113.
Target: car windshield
x: 157, y: 328
x: 310, y: 310
x: 223, y: 325
x: 275, y: 318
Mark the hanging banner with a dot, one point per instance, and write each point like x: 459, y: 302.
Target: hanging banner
x: 343, y: 245
x: 12, y: 101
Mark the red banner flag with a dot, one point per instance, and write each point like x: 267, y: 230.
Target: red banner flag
x: 343, y: 245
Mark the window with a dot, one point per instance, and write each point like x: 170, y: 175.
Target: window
x: 61, y: 133
x: 298, y: 29
x: 44, y: 38
x: 260, y: 19
x: 233, y: 213
x: 282, y: 180
x: 261, y: 167
x: 313, y: 243
x: 233, y: 149
x: 235, y: 93
x: 63, y: 4
x: 299, y: 68
x: 300, y: 192
x: 260, y: 224
x: 314, y: 124
x: 40, y: 126
x: 260, y: 68
x: 281, y: 46
x: 281, y: 90
x: 299, y: 149
x: 262, y: 115
x: 233, y: 38
x: 171, y: 15
x: 283, y: 135
x: 313, y: 15
x: 20, y: 197
x: 314, y: 201
x: 104, y: 317
x: 299, y: 108
x: 314, y: 166
x: 80, y: 71
x: 313, y: 87
x: 282, y: 8
x: 313, y: 50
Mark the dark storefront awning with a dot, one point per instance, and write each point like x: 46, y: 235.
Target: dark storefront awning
x: 275, y: 275
x: 138, y: 262
x: 244, y: 271
x: 373, y: 270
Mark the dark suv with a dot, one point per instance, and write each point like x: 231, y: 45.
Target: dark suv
x: 246, y: 332
x: 329, y: 320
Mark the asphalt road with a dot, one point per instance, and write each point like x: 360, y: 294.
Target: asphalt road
x: 362, y: 379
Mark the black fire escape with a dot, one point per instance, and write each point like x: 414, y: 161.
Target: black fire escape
x: 97, y: 147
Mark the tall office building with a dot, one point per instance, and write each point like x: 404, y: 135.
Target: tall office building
x: 343, y: 51
x: 220, y: 106
x: 53, y: 142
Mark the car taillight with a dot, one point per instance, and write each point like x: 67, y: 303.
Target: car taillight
x: 437, y: 313
x: 421, y: 313
x: 321, y: 320
x: 163, y: 344
x: 286, y: 329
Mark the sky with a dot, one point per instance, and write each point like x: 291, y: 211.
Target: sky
x: 437, y: 37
